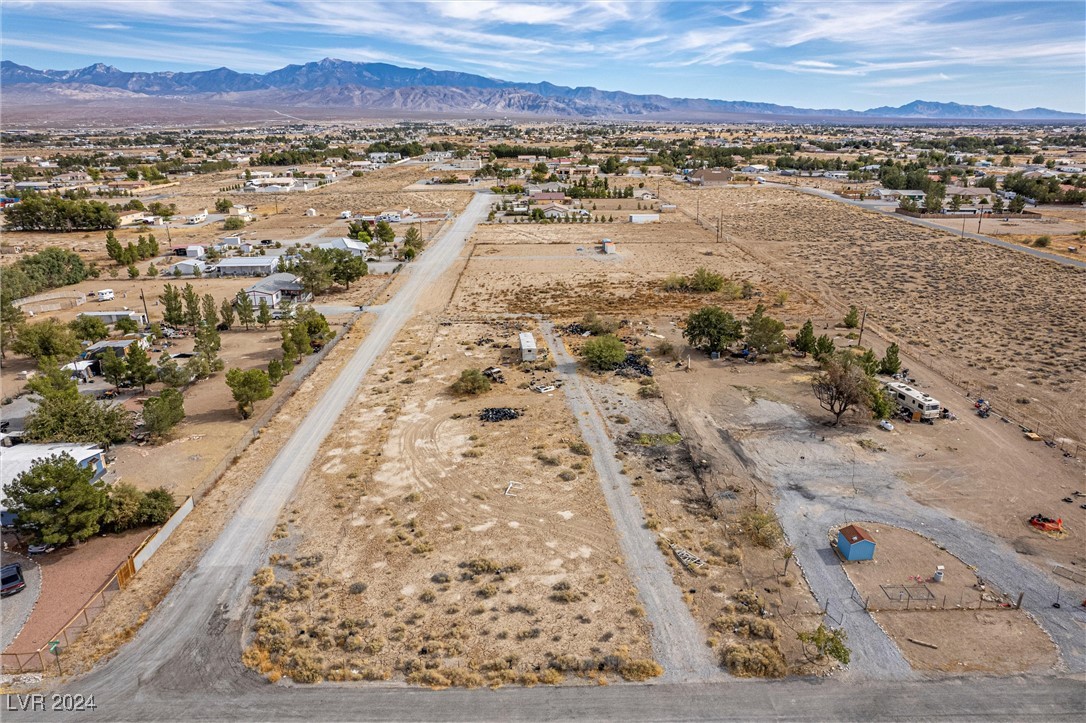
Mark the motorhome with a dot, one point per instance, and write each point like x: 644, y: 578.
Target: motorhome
x: 104, y: 295
x: 914, y: 400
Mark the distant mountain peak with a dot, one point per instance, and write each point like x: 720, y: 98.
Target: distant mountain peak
x: 332, y: 82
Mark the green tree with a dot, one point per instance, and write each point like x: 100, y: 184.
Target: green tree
x: 764, y: 333
x: 275, y: 372
x: 44, y: 339
x: 841, y: 386
x: 852, y: 318
x: 226, y: 312
x: 882, y: 405
x: 891, y: 360
x: 933, y: 200
x: 245, y: 309
x: 174, y: 312
x: 385, y: 233
x: 65, y: 415
x: 248, y: 387
x: 822, y: 642
x: 193, y: 312
x: 88, y: 328
x: 315, y: 271
x: 824, y: 348
x: 140, y: 370
x: 472, y: 381
x: 156, y: 507
x: 133, y: 271
x: 1018, y: 204
x: 805, y: 339
x: 126, y: 325
x: 114, y: 367
x: 210, y: 311
x: 11, y: 318
x: 56, y: 502
x: 712, y: 329
x: 113, y: 248
x: 263, y: 314
x: 997, y: 205
x: 222, y: 205
x: 347, y: 267
x: 603, y: 353
x: 171, y: 373
x: 234, y: 223
x: 208, y: 343
x: 152, y: 270
x: 413, y: 239
x: 869, y: 362
x: 123, y: 511
x: 164, y: 412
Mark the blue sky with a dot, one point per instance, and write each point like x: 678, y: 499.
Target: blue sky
x: 824, y: 53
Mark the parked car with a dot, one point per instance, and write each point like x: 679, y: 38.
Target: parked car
x: 11, y: 579
x: 885, y: 424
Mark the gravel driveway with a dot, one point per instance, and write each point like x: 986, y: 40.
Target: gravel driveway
x: 821, y: 485
x: 15, y: 609
x: 677, y: 641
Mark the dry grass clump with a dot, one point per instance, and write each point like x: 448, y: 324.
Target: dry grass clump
x: 754, y: 660
x: 761, y: 528
x: 747, y: 626
x: 618, y: 662
x: 563, y: 593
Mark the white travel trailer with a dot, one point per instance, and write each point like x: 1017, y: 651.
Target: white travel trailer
x: 104, y: 295
x: 914, y: 400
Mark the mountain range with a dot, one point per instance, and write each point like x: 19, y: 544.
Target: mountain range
x: 331, y: 83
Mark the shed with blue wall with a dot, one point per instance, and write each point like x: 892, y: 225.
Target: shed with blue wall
x: 855, y: 544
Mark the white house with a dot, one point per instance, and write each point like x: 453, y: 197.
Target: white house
x: 20, y: 458
x: 248, y: 266
x: 195, y: 252
x: 188, y: 267
x: 112, y: 317
x: 350, y: 245
x: 276, y: 289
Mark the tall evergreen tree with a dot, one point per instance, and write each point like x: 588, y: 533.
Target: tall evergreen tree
x: 244, y: 303
x: 55, y: 501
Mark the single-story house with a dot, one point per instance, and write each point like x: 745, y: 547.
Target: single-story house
x: 20, y: 458
x: 711, y: 176
x: 248, y: 266
x: 755, y: 168
x: 548, y: 196
x: 350, y: 245
x: 276, y: 289
x: 130, y: 217
x: 119, y: 347
x: 854, y: 543
x: 188, y: 267
x: 557, y: 210
x: 112, y: 317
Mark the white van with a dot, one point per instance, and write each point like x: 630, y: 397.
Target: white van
x: 104, y: 295
x: 345, y: 214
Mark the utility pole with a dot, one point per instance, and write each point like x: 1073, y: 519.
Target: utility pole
x: 146, y: 313
x: 863, y: 320
x: 697, y: 212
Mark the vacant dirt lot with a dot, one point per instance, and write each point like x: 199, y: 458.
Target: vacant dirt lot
x: 1001, y: 323
x: 447, y: 578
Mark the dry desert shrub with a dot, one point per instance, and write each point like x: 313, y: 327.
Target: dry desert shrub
x: 761, y: 528
x: 747, y: 626
x: 641, y: 669
x: 305, y: 667
x: 754, y: 660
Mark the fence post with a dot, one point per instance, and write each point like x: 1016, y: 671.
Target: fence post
x: 1018, y: 605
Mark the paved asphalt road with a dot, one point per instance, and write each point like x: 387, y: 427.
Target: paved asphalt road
x: 184, y: 663
x: 928, y: 224
x: 677, y: 641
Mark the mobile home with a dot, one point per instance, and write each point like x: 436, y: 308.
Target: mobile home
x: 914, y: 400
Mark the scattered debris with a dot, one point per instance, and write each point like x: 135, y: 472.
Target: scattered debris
x: 634, y: 363
x: 498, y: 414
x: 495, y: 375
x: 1046, y: 524
x: 511, y: 487
x: 933, y: 646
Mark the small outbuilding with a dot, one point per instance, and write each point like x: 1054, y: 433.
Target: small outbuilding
x: 644, y: 218
x: 855, y: 544
x: 609, y: 246
x: 528, y: 350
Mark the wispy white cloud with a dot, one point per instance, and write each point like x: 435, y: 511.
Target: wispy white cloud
x: 836, y: 43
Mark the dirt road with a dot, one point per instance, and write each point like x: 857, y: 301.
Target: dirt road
x: 677, y: 642
x: 183, y: 646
